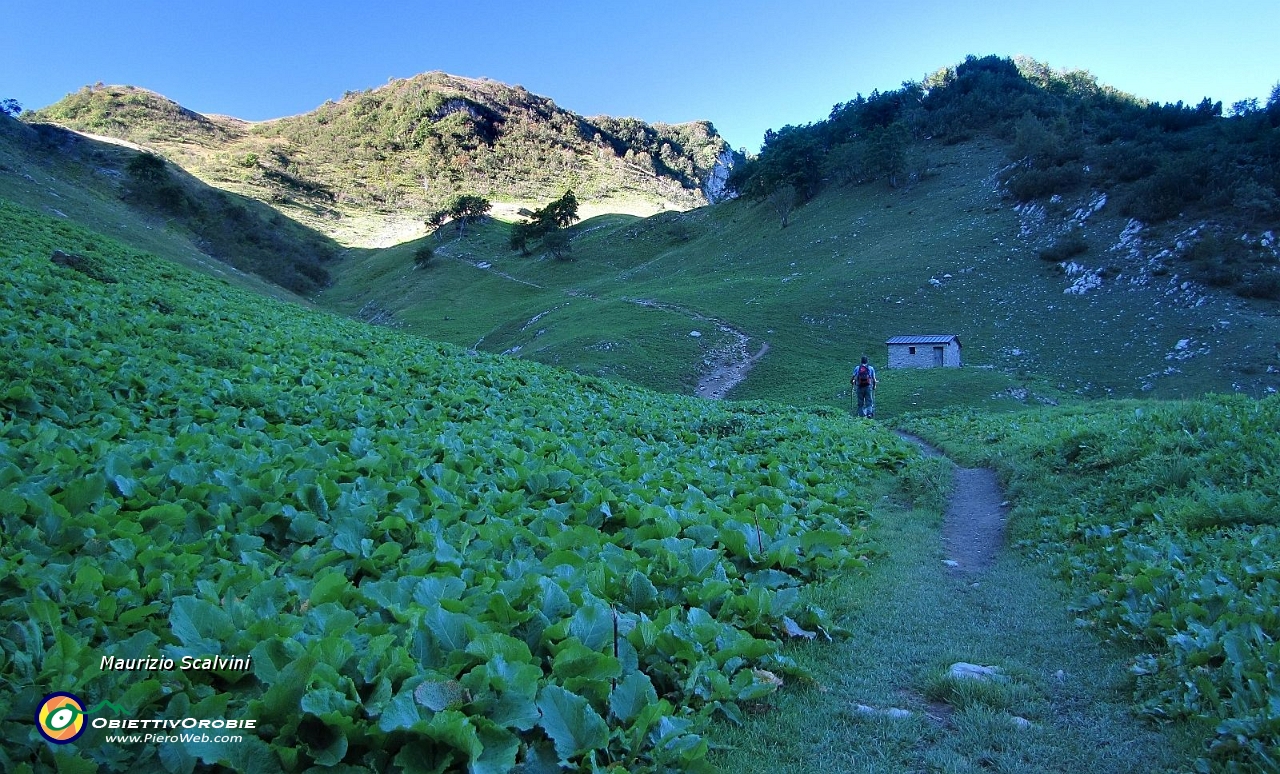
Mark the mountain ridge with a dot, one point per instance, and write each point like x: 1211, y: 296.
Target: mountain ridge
x: 403, y: 148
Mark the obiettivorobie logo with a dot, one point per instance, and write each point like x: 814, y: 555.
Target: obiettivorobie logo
x: 61, y: 716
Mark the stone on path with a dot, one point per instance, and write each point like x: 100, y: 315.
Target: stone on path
x: 891, y: 712
x: 965, y: 671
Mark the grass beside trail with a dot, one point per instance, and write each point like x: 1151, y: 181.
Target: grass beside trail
x: 910, y: 620
x: 1166, y: 519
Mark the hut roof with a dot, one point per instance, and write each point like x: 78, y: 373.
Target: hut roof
x: 947, y: 339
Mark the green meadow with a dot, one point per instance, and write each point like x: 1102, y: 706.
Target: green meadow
x: 465, y: 515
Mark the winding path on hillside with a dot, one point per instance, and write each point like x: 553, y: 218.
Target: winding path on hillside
x: 726, y: 366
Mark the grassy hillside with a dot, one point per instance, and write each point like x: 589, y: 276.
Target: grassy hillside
x: 158, y: 206
x: 82, y: 181
x: 434, y: 558
x: 1214, y: 176
x: 1059, y: 285
x: 948, y: 253
x: 1165, y: 518
x: 372, y: 165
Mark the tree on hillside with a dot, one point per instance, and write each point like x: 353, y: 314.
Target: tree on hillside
x: 466, y: 208
x: 562, y: 212
x: 887, y: 152
x: 10, y: 107
x: 783, y: 201
x: 436, y: 219
x: 547, y: 224
x: 557, y: 243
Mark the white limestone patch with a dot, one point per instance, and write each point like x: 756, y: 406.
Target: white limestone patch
x: 1185, y: 349
x: 1095, y: 204
x: 1085, y: 279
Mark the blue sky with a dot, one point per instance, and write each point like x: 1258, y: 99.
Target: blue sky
x: 747, y: 65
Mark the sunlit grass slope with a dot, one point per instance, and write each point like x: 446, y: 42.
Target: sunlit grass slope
x: 436, y: 559
x: 1165, y: 517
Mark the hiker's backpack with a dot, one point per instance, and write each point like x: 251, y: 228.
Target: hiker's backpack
x: 863, y: 376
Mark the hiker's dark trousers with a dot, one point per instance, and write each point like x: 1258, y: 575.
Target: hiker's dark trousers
x: 865, y: 406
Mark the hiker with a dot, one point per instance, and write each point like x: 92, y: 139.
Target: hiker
x: 864, y: 380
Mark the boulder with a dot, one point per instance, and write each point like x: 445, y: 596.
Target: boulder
x: 964, y: 671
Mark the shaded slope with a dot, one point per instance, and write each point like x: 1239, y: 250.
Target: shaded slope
x: 88, y: 181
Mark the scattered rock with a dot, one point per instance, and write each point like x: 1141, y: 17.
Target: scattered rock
x: 696, y: 334
x: 888, y: 712
x: 964, y: 671
x: 766, y: 677
x: 793, y: 629
x: 1021, y: 722
x: 951, y: 562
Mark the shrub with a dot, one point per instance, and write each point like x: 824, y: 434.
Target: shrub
x: 1064, y: 248
x: 557, y: 243
x: 1030, y: 184
x: 1167, y: 192
x: 422, y: 256
x: 1264, y: 285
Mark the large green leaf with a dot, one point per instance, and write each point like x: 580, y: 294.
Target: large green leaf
x: 592, y: 624
x: 574, y: 727
x: 451, y: 631
x: 632, y: 694
x: 200, y: 625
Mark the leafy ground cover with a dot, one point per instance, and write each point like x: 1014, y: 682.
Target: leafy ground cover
x: 1166, y: 520
x: 436, y: 559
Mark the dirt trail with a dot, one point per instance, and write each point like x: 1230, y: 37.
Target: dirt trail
x: 973, y: 526
x: 727, y: 366
x: 1063, y: 701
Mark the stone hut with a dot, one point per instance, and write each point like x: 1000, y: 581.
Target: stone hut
x: 924, y: 351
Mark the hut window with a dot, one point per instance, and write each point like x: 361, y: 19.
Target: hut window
x: 911, y: 350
